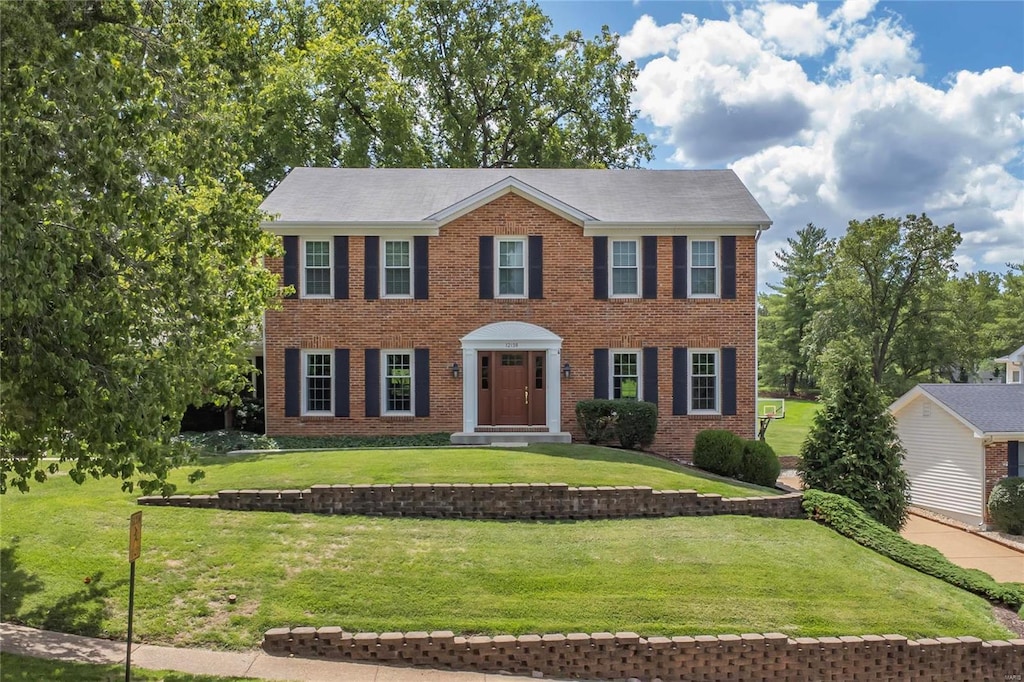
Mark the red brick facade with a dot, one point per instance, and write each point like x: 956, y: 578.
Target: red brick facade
x: 568, y: 309
x: 996, y: 469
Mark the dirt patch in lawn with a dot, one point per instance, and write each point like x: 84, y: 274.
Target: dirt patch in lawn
x: 1009, y: 619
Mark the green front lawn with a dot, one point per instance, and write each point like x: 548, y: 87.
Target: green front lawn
x: 659, y: 576
x: 578, y: 465
x: 23, y: 668
x: 786, y: 436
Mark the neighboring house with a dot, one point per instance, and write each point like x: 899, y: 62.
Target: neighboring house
x: 1014, y: 365
x: 961, y: 439
x: 487, y: 302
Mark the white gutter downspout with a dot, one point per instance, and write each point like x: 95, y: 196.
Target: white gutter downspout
x: 757, y: 324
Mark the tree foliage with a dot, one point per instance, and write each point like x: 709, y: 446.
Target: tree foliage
x: 880, y: 289
x: 131, y: 283
x: 852, y: 448
x: 786, y: 316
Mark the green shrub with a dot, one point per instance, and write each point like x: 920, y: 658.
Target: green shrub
x: 597, y: 420
x: 718, y: 451
x: 635, y: 423
x: 1006, y: 505
x: 848, y: 518
x: 632, y: 422
x: 759, y: 464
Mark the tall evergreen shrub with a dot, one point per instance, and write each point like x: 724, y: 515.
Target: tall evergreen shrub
x: 852, y: 448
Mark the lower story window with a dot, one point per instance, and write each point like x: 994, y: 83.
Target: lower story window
x: 626, y: 375
x: 317, y: 383
x: 398, y: 382
x: 704, y: 381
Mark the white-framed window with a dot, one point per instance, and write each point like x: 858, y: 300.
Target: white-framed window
x: 316, y: 268
x: 396, y: 393
x: 317, y: 382
x: 703, y: 280
x: 510, y: 275
x: 624, y: 264
x: 396, y: 268
x: 625, y: 374
x: 704, y: 379
x: 1015, y: 376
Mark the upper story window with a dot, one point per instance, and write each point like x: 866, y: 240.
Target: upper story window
x: 316, y: 273
x: 625, y: 375
x: 704, y: 268
x: 317, y: 383
x: 397, y: 394
x: 397, y: 268
x: 625, y: 266
x: 704, y: 382
x: 511, y: 270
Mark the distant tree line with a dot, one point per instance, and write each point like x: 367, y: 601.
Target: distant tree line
x: 890, y: 285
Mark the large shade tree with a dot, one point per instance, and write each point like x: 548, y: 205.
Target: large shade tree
x: 131, y: 281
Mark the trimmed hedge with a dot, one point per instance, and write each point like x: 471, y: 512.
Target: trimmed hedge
x: 720, y: 452
x: 632, y: 422
x: 1006, y: 505
x: 224, y: 441
x: 759, y: 464
x: 848, y: 518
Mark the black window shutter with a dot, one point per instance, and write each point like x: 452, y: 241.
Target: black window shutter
x: 536, y: 259
x: 341, y: 267
x: 486, y: 267
x: 600, y: 268
x: 292, y: 382
x: 371, y: 268
x: 291, y: 265
x: 341, y: 371
x: 601, y: 370
x: 680, y: 370
x: 651, y: 375
x: 728, y: 381
x: 650, y: 258
x: 728, y: 267
x: 372, y: 363
x: 421, y: 363
x: 1013, y: 458
x: 678, y: 267
x: 421, y: 266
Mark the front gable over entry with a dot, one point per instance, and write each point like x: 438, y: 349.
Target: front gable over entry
x: 519, y: 340
x: 498, y: 334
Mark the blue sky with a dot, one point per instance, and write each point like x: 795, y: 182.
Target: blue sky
x: 837, y: 110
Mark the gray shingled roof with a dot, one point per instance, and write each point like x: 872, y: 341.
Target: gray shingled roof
x: 991, y: 408
x: 368, y: 195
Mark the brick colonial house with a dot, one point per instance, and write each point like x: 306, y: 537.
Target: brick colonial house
x: 487, y: 302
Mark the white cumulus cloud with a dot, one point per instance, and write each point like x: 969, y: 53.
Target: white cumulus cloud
x: 855, y: 135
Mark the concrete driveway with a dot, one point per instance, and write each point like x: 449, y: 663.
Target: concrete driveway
x: 966, y: 549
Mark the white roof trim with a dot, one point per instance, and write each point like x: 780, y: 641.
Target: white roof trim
x: 1015, y: 356
x: 523, y: 332
x: 596, y: 228
x: 913, y: 393
x: 292, y: 227
x: 506, y: 186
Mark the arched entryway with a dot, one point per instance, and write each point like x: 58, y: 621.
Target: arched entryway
x: 512, y: 384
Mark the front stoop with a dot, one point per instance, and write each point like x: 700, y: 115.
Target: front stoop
x: 506, y: 437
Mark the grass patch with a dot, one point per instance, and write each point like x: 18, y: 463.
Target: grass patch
x: 577, y: 465
x: 671, y: 576
x: 787, y: 435
x: 14, y: 668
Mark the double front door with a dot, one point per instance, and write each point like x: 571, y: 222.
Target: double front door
x: 510, y: 387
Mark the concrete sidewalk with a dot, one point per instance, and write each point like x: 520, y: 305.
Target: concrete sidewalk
x: 16, y: 639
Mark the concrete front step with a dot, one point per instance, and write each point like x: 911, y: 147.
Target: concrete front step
x: 510, y: 437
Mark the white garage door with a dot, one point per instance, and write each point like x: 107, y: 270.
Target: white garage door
x: 944, y: 462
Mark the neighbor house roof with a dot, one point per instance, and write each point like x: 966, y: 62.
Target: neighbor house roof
x: 1015, y: 356
x: 987, y: 409
x: 433, y: 196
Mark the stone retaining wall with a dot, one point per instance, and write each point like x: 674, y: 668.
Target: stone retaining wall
x: 489, y: 501
x: 624, y: 655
